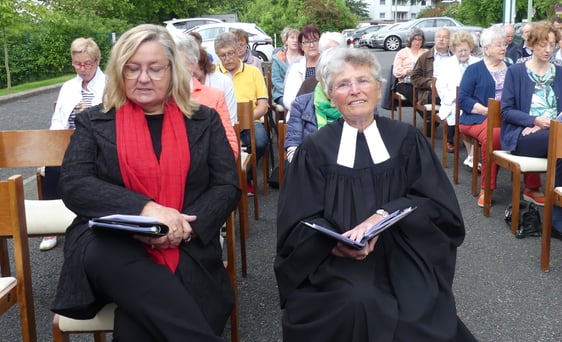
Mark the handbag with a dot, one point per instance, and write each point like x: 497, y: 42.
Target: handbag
x: 529, y: 220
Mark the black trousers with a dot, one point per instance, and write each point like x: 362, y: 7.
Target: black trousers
x: 153, y: 304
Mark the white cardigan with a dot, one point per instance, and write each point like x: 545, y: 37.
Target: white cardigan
x: 293, y: 81
x: 71, y: 94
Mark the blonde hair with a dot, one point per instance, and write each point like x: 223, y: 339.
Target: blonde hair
x: 114, y: 95
x: 460, y: 37
x: 87, y: 46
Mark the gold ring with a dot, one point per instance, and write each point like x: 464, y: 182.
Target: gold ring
x: 152, y: 246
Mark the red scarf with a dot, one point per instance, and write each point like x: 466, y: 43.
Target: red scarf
x: 162, y: 181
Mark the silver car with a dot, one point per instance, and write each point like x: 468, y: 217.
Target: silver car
x: 395, y: 38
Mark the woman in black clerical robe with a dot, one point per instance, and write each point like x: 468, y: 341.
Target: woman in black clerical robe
x: 348, y: 176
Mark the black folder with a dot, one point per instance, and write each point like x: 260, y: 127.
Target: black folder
x: 378, y: 228
x: 130, y: 224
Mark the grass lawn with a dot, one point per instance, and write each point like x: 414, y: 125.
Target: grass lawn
x: 34, y: 85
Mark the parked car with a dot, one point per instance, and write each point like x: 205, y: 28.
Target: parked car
x: 186, y: 24
x: 365, y: 39
x: 348, y: 34
x: 373, y: 36
x: 396, y: 38
x: 260, y: 43
x: 357, y: 34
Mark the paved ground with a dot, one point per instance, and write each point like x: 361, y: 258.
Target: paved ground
x: 501, y: 293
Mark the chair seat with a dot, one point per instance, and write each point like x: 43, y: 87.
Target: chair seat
x: 402, y: 97
x: 279, y: 108
x: 244, y: 159
x: 47, y: 217
x: 429, y: 107
x: 527, y: 164
x: 6, y: 284
x: 103, y: 321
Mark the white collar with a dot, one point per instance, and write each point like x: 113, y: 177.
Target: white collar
x: 348, y: 143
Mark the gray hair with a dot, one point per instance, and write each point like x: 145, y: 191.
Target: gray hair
x: 490, y: 34
x: 334, y: 61
x: 413, y: 33
x: 187, y: 45
x: 327, y: 37
x: 224, y: 40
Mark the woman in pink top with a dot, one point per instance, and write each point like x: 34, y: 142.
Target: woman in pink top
x: 405, y: 60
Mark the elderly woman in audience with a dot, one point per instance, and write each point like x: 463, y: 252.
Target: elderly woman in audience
x: 281, y: 62
x: 208, y: 96
x: 205, y: 72
x: 244, y: 53
x: 81, y: 92
x: 303, y: 67
x: 313, y: 110
x: 348, y: 177
x: 461, y: 45
x: 481, y: 81
x: 150, y: 150
x: 531, y: 99
x: 404, y: 62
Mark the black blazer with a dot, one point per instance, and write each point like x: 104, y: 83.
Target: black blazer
x: 91, y: 186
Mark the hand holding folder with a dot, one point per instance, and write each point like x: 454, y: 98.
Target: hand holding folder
x: 378, y: 228
x: 131, y: 224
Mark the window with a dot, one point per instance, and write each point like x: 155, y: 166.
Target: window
x: 382, y: 15
x: 383, y: 2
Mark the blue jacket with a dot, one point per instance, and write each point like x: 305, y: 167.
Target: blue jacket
x: 477, y: 85
x: 278, y: 70
x: 516, y: 103
x: 302, y: 120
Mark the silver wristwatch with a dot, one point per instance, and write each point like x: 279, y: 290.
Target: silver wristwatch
x: 382, y: 212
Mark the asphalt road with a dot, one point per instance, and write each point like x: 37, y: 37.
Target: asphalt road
x: 501, y: 293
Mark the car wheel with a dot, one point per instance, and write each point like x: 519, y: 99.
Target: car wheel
x: 392, y: 43
x: 260, y: 55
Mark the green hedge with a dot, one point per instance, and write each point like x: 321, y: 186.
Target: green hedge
x: 43, y: 51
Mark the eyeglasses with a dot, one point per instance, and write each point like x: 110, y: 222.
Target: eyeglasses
x: 462, y: 51
x: 86, y: 65
x: 310, y: 42
x: 346, y: 86
x: 155, y: 72
x: 442, y: 37
x: 228, y: 54
x: 500, y: 45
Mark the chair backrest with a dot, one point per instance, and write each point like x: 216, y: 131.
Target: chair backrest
x: 13, y: 225
x: 554, y: 153
x: 32, y: 148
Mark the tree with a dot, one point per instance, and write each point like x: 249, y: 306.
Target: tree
x: 358, y: 7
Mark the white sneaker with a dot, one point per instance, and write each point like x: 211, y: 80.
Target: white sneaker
x: 468, y: 163
x: 48, y: 243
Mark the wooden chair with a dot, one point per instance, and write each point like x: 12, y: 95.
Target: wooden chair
x: 396, y: 97
x: 16, y: 290
x: 246, y: 121
x: 102, y: 323
x: 431, y: 110
x: 33, y: 148
x: 517, y: 165
x: 281, y: 132
x: 243, y: 162
x: 475, y: 156
x: 277, y: 110
x: 553, y: 195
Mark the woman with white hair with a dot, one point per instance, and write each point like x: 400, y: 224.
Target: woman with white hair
x: 349, y: 176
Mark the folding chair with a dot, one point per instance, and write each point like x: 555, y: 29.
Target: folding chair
x: 517, y: 165
x: 16, y: 290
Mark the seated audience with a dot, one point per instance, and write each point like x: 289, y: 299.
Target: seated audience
x: 210, y: 97
x: 530, y: 100
x: 461, y: 44
x: 77, y: 94
x: 348, y: 176
x: 281, y: 62
x: 304, y: 66
x: 249, y: 85
x: 244, y: 53
x: 404, y: 62
x: 481, y: 81
x: 150, y: 151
